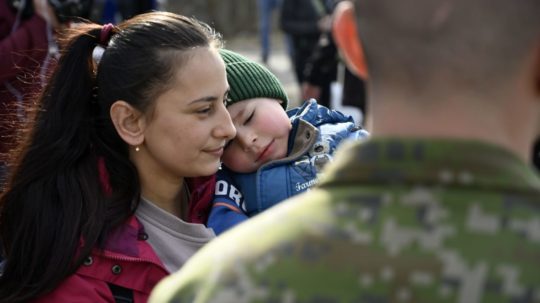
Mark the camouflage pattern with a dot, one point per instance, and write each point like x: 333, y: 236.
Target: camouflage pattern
x: 392, y: 221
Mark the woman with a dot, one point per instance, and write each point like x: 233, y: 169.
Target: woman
x: 104, y: 197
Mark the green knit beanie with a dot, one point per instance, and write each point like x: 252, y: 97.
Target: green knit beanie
x: 248, y: 79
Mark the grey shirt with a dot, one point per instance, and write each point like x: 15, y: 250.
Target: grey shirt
x: 173, y: 239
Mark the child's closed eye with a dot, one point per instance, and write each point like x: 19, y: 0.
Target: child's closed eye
x: 249, y: 118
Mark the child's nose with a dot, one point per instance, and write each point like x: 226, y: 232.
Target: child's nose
x: 247, y: 139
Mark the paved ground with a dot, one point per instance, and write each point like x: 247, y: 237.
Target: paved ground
x: 279, y: 62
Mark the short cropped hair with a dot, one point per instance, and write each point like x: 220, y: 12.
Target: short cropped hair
x: 475, y: 43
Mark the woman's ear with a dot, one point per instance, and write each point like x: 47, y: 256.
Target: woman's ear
x: 129, y: 122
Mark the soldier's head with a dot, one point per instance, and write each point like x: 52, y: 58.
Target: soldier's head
x: 478, y: 45
x: 453, y: 68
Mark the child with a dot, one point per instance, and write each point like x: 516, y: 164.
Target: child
x: 275, y: 154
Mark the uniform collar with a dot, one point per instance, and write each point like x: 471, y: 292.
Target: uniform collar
x: 446, y: 162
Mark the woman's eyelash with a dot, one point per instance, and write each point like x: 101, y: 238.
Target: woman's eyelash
x: 204, y: 110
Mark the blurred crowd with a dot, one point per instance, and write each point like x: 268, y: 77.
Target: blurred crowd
x: 29, y: 29
x: 28, y: 42
x: 29, y: 49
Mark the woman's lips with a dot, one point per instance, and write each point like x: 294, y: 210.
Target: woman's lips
x: 218, y: 152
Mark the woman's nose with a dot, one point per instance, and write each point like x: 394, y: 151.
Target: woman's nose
x: 225, y: 128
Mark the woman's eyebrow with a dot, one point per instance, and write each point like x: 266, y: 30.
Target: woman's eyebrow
x: 204, y: 99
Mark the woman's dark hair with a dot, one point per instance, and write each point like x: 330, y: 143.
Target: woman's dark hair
x: 72, y: 181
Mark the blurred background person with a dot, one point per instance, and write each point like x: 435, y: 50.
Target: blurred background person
x: 27, y: 51
x: 304, y: 21
x: 326, y: 65
x: 320, y: 70
x: 114, y: 11
x: 266, y: 10
x: 353, y: 74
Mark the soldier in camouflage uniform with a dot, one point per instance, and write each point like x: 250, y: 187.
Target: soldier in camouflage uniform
x: 440, y: 205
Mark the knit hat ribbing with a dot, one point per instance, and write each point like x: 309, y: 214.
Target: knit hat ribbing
x: 248, y: 79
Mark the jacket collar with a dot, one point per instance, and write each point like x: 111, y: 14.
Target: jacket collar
x: 124, y: 239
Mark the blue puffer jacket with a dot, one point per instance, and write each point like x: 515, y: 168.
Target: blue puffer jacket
x: 316, y: 133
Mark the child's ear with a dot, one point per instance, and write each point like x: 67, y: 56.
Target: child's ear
x: 129, y: 122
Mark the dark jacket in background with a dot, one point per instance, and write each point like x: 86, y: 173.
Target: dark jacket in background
x: 310, y: 46
x: 22, y: 52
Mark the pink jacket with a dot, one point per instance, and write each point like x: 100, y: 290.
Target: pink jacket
x: 127, y: 260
